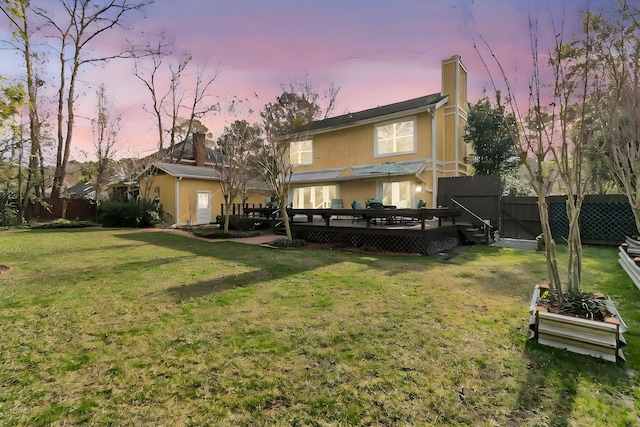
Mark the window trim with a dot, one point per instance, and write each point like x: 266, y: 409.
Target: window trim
x: 414, y: 150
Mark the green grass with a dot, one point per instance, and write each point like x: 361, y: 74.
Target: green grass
x: 129, y: 327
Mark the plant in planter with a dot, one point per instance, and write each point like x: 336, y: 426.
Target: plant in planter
x: 552, y: 139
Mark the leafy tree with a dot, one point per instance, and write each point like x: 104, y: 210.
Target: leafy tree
x: 284, y: 121
x: 489, y: 134
x: 184, y: 126
x: 16, y: 11
x: 12, y: 98
x: 237, y: 145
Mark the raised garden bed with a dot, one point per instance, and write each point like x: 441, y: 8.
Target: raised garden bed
x: 595, y: 338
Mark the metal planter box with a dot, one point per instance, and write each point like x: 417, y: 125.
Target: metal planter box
x: 582, y: 336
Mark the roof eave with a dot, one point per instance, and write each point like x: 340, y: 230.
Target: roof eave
x: 384, y: 117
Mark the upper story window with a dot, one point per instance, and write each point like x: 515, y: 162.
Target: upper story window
x: 301, y: 152
x: 395, y: 137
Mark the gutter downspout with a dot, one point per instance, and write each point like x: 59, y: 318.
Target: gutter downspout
x: 434, y: 176
x: 178, y: 179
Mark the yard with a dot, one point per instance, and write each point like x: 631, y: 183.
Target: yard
x: 128, y: 327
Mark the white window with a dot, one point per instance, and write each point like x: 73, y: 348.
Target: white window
x: 397, y: 194
x: 301, y: 152
x: 396, y: 137
x: 317, y: 197
x: 203, y: 200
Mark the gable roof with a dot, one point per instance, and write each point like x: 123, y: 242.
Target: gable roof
x: 83, y: 190
x: 198, y: 172
x: 183, y: 153
x: 411, y: 106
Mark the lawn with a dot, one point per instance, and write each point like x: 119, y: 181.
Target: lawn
x: 130, y: 327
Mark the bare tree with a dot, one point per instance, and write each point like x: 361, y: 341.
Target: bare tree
x: 82, y: 24
x: 286, y: 120
x: 166, y: 74
x: 105, y: 135
x: 237, y: 144
x: 148, y: 67
x: 616, y: 96
x: 554, y: 130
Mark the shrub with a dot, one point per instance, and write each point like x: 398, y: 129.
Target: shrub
x: 286, y: 243
x: 139, y: 213
x: 64, y: 223
x: 218, y: 233
x: 241, y: 223
x: 8, y: 208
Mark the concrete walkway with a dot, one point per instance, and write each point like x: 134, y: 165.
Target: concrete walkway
x: 516, y: 244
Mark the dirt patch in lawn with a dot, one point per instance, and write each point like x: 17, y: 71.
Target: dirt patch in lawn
x: 4, y: 268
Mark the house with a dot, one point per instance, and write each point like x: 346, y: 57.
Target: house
x: 81, y: 190
x: 394, y: 152
x: 187, y: 186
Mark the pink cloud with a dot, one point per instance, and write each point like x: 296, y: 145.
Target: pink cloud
x: 377, y: 52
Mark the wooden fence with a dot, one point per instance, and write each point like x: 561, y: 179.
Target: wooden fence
x: 604, y: 219
x: 51, y: 209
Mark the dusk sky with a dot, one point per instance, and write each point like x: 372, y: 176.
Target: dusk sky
x: 376, y: 52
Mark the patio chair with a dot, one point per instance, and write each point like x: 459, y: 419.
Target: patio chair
x: 356, y: 205
x: 336, y: 204
x: 374, y: 203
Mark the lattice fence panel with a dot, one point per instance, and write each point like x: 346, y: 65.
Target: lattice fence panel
x: 559, y: 220
x: 318, y: 236
x: 602, y: 222
x: 607, y: 221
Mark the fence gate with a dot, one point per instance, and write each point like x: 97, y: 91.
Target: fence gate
x: 478, y: 193
x: 520, y: 218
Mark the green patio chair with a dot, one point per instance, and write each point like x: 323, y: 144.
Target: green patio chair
x: 356, y: 205
x: 374, y: 203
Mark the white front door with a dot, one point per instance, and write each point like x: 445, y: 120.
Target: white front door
x: 203, y: 205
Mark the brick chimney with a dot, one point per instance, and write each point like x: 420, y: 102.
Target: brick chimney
x: 199, y: 150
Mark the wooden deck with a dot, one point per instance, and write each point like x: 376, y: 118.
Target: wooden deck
x: 385, y: 216
x: 392, y: 233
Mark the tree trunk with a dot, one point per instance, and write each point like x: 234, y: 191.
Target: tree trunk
x: 574, y: 241
x: 287, y: 224
x: 549, y: 246
x: 227, y: 216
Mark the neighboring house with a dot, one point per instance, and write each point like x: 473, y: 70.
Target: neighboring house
x: 394, y: 152
x: 122, y: 190
x: 184, y: 181
x: 81, y: 190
